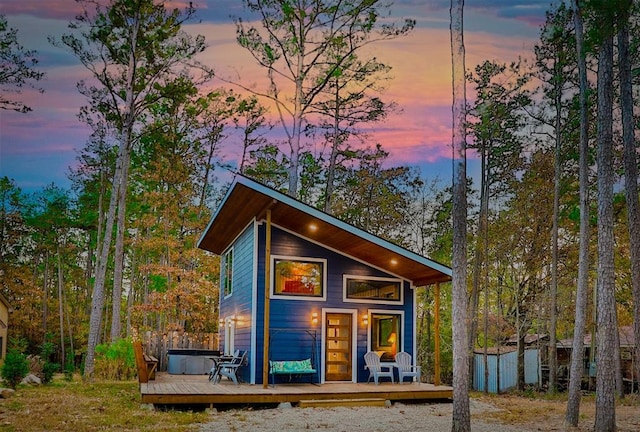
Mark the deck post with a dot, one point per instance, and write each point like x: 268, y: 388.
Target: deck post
x: 436, y: 325
x: 267, y: 280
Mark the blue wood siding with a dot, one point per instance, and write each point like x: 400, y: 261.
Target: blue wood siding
x: 296, y: 314
x: 240, y: 302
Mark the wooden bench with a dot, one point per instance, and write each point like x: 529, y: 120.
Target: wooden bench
x: 290, y: 368
x: 146, y: 364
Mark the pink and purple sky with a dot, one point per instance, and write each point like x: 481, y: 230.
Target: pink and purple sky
x: 37, y: 149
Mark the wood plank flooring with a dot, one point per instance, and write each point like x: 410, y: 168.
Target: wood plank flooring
x: 196, y: 389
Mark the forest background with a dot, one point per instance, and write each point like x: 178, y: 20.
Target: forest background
x: 116, y: 253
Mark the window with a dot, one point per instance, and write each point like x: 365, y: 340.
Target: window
x: 226, y: 273
x: 298, y: 277
x: 379, y: 290
x: 386, y: 334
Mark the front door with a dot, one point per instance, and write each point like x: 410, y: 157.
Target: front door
x: 338, y: 349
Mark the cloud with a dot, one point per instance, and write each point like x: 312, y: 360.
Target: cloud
x: 39, y: 147
x: 67, y: 10
x: 528, y: 11
x: 218, y: 11
x: 56, y: 9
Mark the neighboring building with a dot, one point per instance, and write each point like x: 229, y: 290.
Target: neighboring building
x: 627, y: 357
x: 535, y: 362
x: 4, y: 324
x: 502, y: 362
x: 332, y: 291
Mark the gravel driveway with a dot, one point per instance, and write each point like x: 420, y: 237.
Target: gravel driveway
x: 398, y: 417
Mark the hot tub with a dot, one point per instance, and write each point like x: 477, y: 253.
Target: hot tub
x: 190, y: 361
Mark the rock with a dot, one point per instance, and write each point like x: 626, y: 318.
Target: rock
x: 32, y: 379
x: 284, y: 405
x: 6, y: 393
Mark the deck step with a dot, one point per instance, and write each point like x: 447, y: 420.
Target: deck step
x: 328, y: 403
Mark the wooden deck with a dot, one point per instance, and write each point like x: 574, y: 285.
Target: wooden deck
x: 196, y: 389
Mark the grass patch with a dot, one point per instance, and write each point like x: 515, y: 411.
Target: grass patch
x: 77, y: 406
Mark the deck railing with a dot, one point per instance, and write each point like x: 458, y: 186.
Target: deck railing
x: 158, y: 344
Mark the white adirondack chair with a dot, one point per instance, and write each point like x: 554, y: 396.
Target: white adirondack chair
x: 406, y: 368
x: 376, y: 371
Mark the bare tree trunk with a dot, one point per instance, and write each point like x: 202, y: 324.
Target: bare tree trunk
x: 553, y: 294
x: 499, y: 341
x: 131, y: 296
x: 72, y: 351
x: 461, y: 421
x: 485, y: 282
x: 98, y: 297
x: 45, y: 291
x: 617, y: 359
x: 122, y: 167
x: 521, y: 342
x: 630, y: 179
x: 295, y: 139
x: 335, y: 147
x: 61, y: 304
x: 485, y: 356
x: 605, y: 379
x: 116, y: 326
x: 207, y: 171
x: 577, y: 352
x: 479, y: 260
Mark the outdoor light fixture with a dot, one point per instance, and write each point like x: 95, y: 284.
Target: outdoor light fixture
x: 365, y: 319
x: 313, y: 227
x: 314, y: 318
x: 229, y: 321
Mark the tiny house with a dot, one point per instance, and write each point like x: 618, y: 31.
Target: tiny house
x: 298, y: 284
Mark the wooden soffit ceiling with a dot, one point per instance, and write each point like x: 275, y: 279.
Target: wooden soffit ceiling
x: 247, y: 200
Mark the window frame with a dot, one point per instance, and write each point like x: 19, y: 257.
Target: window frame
x: 347, y: 299
x: 287, y: 296
x: 226, y: 273
x: 399, y: 337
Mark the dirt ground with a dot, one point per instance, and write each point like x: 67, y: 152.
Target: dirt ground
x: 77, y: 406
x: 536, y: 414
x: 505, y: 413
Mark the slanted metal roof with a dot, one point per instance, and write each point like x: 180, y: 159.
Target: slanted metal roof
x: 247, y: 199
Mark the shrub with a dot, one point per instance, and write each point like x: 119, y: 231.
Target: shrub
x: 115, y: 361
x: 69, y: 369
x: 48, y: 368
x: 40, y: 366
x: 15, y: 368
